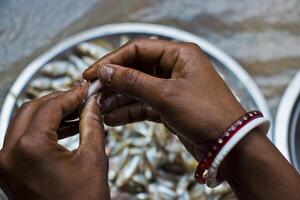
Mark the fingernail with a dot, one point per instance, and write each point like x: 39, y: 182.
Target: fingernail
x: 98, y: 101
x: 85, y: 83
x: 106, y: 73
x: 79, y: 84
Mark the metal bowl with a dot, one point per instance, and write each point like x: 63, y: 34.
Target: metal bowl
x: 287, y: 124
x: 234, y: 74
x: 241, y: 84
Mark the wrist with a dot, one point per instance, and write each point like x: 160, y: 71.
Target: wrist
x: 222, y: 120
x: 207, y: 169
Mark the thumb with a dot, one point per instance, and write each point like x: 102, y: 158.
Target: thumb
x: 91, y: 129
x: 134, y: 83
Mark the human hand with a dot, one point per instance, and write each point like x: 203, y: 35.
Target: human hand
x: 167, y: 82
x: 34, y: 166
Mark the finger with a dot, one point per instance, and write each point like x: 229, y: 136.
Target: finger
x: 133, y: 83
x: 68, y: 129
x: 49, y: 115
x: 72, y: 116
x: 105, y: 92
x: 23, y: 118
x: 91, y: 129
x: 143, y: 53
x: 131, y: 113
x: 115, y: 101
x: 70, y: 124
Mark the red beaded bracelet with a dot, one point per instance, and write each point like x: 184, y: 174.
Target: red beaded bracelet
x: 201, y: 171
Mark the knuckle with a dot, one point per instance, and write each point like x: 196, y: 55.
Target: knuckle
x: 27, y: 105
x: 92, y: 117
x: 89, y: 131
x: 136, y: 41
x: 25, y: 145
x: 30, y: 146
x: 190, y: 47
x: 53, y: 94
x: 130, y: 77
x: 53, y: 103
x: 50, y: 103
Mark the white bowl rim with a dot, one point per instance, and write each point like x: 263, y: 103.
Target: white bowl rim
x: 118, y: 28
x: 283, y: 116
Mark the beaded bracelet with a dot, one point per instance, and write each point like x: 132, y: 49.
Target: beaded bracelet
x: 202, y: 169
x: 211, y: 179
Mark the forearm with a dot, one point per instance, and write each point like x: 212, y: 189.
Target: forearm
x: 256, y: 170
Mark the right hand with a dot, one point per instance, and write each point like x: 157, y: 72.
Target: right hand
x: 169, y: 82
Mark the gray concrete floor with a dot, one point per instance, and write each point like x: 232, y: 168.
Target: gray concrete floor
x: 264, y: 36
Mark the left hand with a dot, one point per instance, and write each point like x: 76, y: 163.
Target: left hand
x: 34, y: 166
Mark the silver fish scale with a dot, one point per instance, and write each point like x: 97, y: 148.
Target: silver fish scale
x: 146, y: 161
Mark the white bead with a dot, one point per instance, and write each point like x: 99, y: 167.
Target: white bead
x: 227, y: 134
x: 220, y: 140
x: 239, y: 122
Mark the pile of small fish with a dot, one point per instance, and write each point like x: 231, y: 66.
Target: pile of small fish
x: 146, y: 160
x: 61, y: 74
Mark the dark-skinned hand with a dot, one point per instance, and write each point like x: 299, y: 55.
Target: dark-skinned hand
x: 174, y: 83
x: 168, y: 82
x: 34, y: 166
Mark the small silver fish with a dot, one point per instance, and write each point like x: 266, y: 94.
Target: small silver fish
x: 58, y: 68
x: 93, y: 50
x: 78, y: 62
x: 124, y: 39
